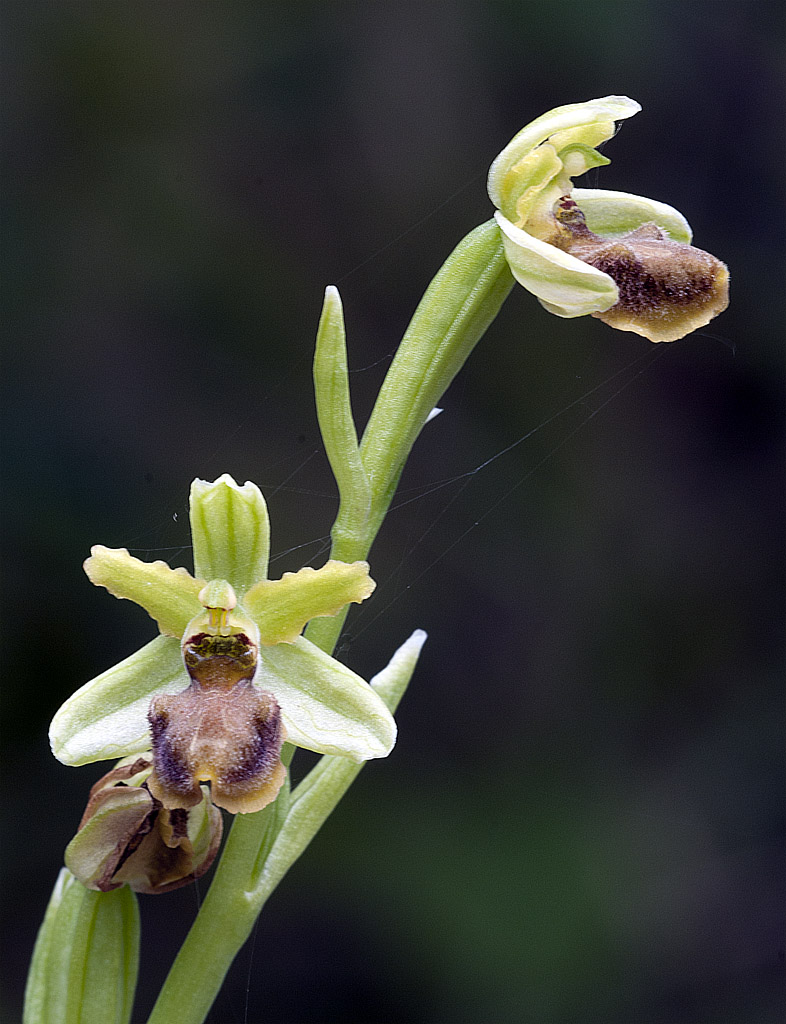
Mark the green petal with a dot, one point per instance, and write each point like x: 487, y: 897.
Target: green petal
x: 107, y: 717
x: 86, y: 957
x: 281, y: 608
x: 611, y: 213
x: 590, y: 135
x: 325, y: 706
x: 578, y: 158
x: 230, y: 530
x: 170, y: 596
x: 564, y: 285
x: 527, y: 180
x: 572, y: 116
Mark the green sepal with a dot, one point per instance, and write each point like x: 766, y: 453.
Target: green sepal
x: 281, y: 608
x: 611, y: 214
x: 230, y: 531
x: 170, y: 596
x: 86, y: 957
x: 107, y: 717
x: 565, y: 285
x: 325, y: 706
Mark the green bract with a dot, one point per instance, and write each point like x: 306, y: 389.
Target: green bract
x: 86, y: 957
x: 324, y: 705
x: 659, y: 290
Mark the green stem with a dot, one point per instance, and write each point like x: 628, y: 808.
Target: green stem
x: 453, y: 315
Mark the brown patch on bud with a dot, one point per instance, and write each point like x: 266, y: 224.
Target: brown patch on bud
x: 220, y: 730
x: 126, y: 836
x: 667, y: 289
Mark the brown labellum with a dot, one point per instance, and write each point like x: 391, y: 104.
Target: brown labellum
x: 666, y: 289
x: 220, y: 730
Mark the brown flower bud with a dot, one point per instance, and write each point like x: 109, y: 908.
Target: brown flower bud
x: 126, y: 836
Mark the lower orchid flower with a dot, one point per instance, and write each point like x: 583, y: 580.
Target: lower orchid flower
x: 230, y: 676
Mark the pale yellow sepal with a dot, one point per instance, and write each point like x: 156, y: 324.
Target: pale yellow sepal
x: 281, y: 608
x: 590, y: 123
x: 170, y: 596
x: 566, y: 286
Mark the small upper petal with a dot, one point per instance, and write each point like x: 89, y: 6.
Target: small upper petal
x: 281, y: 608
x: 170, y: 596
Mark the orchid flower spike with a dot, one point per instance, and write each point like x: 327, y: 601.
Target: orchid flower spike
x: 230, y: 675
x: 623, y: 258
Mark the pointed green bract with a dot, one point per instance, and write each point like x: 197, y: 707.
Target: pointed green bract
x: 336, y: 423
x: 230, y: 531
x: 281, y: 608
x: 610, y: 213
x: 170, y: 596
x: 565, y: 285
x: 317, y: 795
x: 325, y: 706
x: 86, y: 957
x: 107, y: 717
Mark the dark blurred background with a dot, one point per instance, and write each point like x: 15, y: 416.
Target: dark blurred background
x: 582, y: 820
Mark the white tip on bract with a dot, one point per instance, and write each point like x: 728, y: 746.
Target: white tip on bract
x: 392, y: 681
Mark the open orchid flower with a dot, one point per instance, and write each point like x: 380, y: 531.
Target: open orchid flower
x: 230, y: 676
x: 625, y: 259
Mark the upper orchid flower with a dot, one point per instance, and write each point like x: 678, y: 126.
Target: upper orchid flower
x: 623, y: 258
x: 234, y: 636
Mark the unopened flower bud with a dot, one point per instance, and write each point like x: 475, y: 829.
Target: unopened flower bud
x: 127, y: 836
